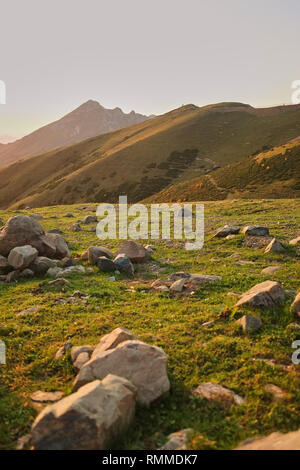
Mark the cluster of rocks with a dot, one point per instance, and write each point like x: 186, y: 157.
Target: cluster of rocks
x: 120, y: 371
x: 180, y: 281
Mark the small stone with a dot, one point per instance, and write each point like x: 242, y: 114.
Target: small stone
x: 43, y: 397
x: 295, y: 241
x: 95, y: 252
x: 278, y: 393
x: 249, y: 323
x: 62, y: 350
x: 110, y: 279
x: 89, y: 219
x: 55, y: 230
x: 69, y: 214
x: 208, y: 324
x: 178, y: 286
x: 52, y: 272
x: 81, y: 359
x: 216, y: 392
x: 275, y: 247
x: 162, y: 288
x: 75, y: 227
x: 76, y: 350
x: 60, y: 281
x: 227, y: 230
x: 275, y: 441
x: 267, y: 294
x: 124, y: 265
x: 29, y: 311
x: 270, y: 270
x: 256, y: 231
x: 177, y: 440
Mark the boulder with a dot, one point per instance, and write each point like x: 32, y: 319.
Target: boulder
x: 295, y: 307
x: 21, y: 230
x: 249, y: 323
x: 22, y: 256
x: 227, y: 230
x: 60, y: 245
x: 295, y: 241
x: 134, y: 251
x: 75, y: 228
x: 81, y: 359
x: 144, y: 365
x: 256, y: 231
x: 113, y: 339
x: 41, y: 264
x: 106, y: 265
x: 178, y: 285
x: 275, y: 247
x: 94, y: 252
x: 89, y: 419
x: 267, y: 294
x: 89, y: 219
x: 270, y: 270
x: 216, y: 392
x: 275, y: 441
x: 124, y: 265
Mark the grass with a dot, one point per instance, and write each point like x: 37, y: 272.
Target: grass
x: 221, y: 354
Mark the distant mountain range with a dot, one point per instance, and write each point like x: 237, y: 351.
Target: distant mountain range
x: 146, y: 158
x: 88, y: 120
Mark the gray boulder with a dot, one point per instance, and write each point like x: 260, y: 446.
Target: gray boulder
x: 106, y: 265
x: 95, y: 252
x: 275, y: 247
x: 60, y: 245
x: 41, y: 265
x: 227, y: 230
x: 22, y: 256
x: 256, y: 231
x: 124, y: 265
x: 134, y: 251
x: 267, y: 294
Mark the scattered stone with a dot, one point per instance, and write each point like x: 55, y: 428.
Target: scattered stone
x: 95, y: 252
x: 163, y: 288
x: 75, y: 227
x: 52, y: 272
x: 150, y: 248
x: 295, y: 307
x: 106, y: 265
x: 208, y: 324
x: 233, y: 294
x: 177, y: 440
x: 270, y: 270
x: 295, y: 241
x: 230, y: 237
x: 293, y: 326
x: 21, y: 257
x: 56, y: 230
x: 76, y: 350
x: 204, y: 278
x: 267, y: 294
x: 26, y: 273
x: 277, y: 392
x: 69, y: 214
x: 60, y: 245
x: 256, y: 231
x: 124, y: 265
x: 275, y: 441
x: 249, y: 323
x: 27, y: 311
x: 216, y: 392
x: 36, y: 216
x: 227, y: 230
x: 275, y: 247
x: 72, y: 270
x: 44, y: 397
x: 179, y: 275
x: 244, y: 261
x: 60, y: 281
x: 62, y: 350
x: 41, y: 265
x: 89, y: 219
x: 89, y: 419
x: 134, y: 251
x: 67, y: 262
x: 178, y: 286
x: 144, y: 365
x: 13, y: 276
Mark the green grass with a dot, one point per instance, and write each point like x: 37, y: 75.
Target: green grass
x: 221, y: 354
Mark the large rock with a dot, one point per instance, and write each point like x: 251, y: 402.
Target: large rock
x: 295, y: 307
x: 249, y: 323
x: 21, y: 230
x: 60, y: 245
x: 267, y: 294
x: 22, y: 256
x: 134, y: 251
x: 227, y: 230
x: 41, y: 265
x: 144, y: 365
x: 256, y: 231
x: 106, y: 265
x: 113, y: 339
x: 275, y: 247
x: 89, y: 419
x: 275, y: 441
x: 124, y: 265
x: 95, y: 252
x: 89, y: 219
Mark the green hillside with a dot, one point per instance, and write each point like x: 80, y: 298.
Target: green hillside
x: 143, y: 159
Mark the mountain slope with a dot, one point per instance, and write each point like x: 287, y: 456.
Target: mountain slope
x: 88, y: 120
x: 274, y: 173
x: 145, y: 158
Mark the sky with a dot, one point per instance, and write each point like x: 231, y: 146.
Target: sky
x: 150, y: 56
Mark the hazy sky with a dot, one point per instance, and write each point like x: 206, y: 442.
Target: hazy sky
x: 150, y: 56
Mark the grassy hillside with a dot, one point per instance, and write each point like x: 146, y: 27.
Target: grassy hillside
x: 221, y: 354
x: 274, y: 173
x: 143, y: 159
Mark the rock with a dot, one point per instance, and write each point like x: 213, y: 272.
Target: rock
x: 178, y: 286
x: 60, y: 244
x: 69, y: 214
x: 72, y: 270
x: 29, y: 310
x: 267, y: 294
x: 110, y: 279
x: 275, y: 441
x: 293, y: 326
x: 67, y: 262
x: 84, y: 256
x: 270, y: 270
x: 256, y: 231
x: 60, y: 281
x: 89, y: 219
x: 22, y: 256
x: 13, y: 276
x: 21, y: 230
x: 227, y: 230
x: 62, y: 350
x: 204, y: 278
x: 52, y: 272
x: 23, y: 441
x: 177, y: 440
x: 216, y: 392
x: 134, y: 251
x: 75, y: 227
x: 275, y: 247
x: 81, y: 359
x: 295, y: 307
x: 278, y: 393
x: 106, y: 265
x: 43, y: 397
x: 208, y: 324
x: 113, y: 339
x: 36, y: 216
x: 3, y: 262
x: 144, y: 365
x: 163, y: 288
x: 95, y: 252
x: 249, y: 323
x: 179, y: 275
x: 76, y: 350
x: 41, y: 265
x: 89, y: 419
x: 230, y: 237
x: 150, y: 248
x: 26, y: 273
x: 124, y: 265
x: 295, y: 241
x: 55, y: 230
